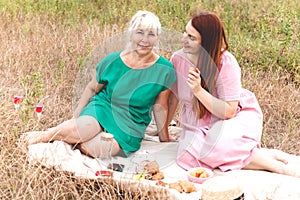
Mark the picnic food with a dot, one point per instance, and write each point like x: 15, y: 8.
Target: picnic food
x: 152, y: 167
x: 160, y: 183
x: 222, y: 187
x: 105, y: 173
x: 199, y: 174
x: 158, y: 176
x: 176, y: 186
x: 183, y: 186
x: 187, y: 186
x: 150, y: 172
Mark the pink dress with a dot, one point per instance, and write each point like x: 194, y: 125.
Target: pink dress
x: 212, y: 142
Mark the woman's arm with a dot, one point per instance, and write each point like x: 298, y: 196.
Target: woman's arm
x: 92, y: 88
x: 218, y: 107
x: 172, y: 106
x: 160, y: 111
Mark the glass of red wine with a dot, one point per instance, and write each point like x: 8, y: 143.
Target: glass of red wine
x: 17, y: 102
x: 38, y: 111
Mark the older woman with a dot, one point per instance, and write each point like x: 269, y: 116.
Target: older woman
x: 119, y: 99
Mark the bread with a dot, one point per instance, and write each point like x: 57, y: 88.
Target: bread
x: 158, y: 176
x: 187, y: 186
x: 221, y: 188
x: 152, y: 167
x: 176, y: 186
x: 183, y: 186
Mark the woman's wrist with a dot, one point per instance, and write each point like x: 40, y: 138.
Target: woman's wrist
x: 200, y: 92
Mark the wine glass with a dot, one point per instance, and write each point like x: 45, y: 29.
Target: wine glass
x: 38, y: 111
x: 106, y: 144
x: 17, y: 102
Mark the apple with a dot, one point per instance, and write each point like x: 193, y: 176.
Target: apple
x: 160, y: 183
x: 104, y: 173
x: 204, y: 175
x: 193, y: 174
x: 193, y: 69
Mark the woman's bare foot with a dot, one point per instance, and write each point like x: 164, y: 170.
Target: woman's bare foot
x: 292, y: 168
x: 274, y: 160
x: 34, y: 137
x: 278, y: 155
x: 289, y: 165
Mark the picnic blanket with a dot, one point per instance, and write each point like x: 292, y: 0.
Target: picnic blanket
x: 258, y: 185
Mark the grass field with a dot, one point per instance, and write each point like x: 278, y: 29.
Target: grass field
x: 44, y: 44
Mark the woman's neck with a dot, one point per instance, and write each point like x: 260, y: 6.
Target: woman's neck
x: 193, y: 58
x: 139, y: 61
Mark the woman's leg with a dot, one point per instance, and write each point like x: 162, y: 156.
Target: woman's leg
x: 273, y: 161
x: 72, y: 131
x: 92, y: 147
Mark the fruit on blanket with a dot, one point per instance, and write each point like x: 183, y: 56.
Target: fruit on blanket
x: 160, y: 183
x: 104, y: 173
x: 199, y: 174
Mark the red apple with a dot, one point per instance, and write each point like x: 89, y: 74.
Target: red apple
x: 160, y: 183
x: 104, y: 173
x: 193, y: 69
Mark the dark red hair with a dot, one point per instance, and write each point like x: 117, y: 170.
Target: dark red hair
x: 213, y: 44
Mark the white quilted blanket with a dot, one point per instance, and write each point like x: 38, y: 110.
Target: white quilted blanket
x: 259, y: 185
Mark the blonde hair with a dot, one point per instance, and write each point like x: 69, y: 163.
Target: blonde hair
x: 145, y: 19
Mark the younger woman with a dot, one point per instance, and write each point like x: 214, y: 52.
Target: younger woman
x: 221, y: 121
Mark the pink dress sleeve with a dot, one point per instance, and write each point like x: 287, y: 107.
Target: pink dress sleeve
x: 228, y: 84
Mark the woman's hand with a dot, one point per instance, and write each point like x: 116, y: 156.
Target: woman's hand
x: 218, y: 107
x: 194, y: 79
x: 160, y: 112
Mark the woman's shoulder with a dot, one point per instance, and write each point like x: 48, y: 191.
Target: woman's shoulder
x: 229, y: 64
x: 111, y: 55
x: 179, y: 54
x: 179, y: 58
x: 107, y: 61
x: 110, y: 58
x: 228, y: 57
x: 164, y: 61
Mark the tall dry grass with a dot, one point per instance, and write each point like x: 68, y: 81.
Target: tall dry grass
x: 40, y: 58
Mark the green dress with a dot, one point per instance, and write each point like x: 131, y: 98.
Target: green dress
x: 124, y: 106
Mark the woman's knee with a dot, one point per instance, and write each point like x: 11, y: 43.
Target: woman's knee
x: 86, y: 149
x: 87, y: 124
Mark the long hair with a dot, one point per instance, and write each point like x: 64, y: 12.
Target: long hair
x: 213, y: 44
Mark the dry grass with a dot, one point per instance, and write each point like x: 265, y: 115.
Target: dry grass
x: 40, y: 59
